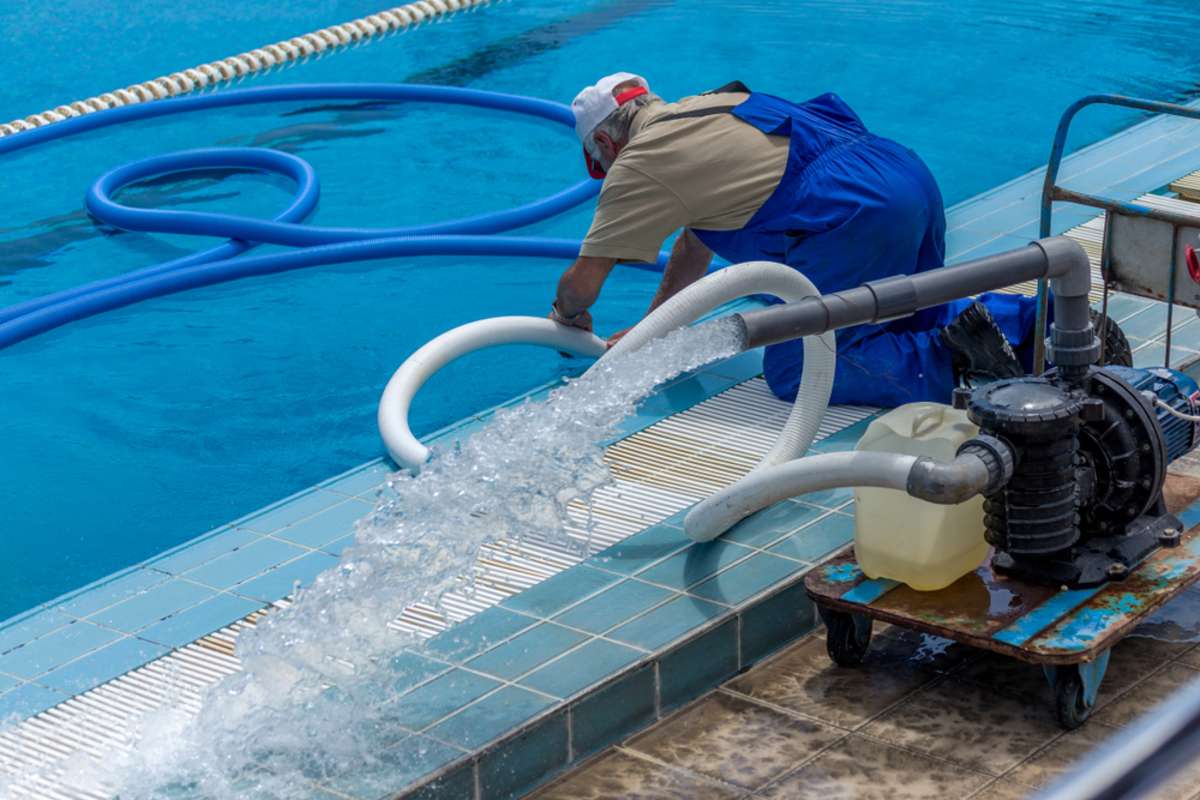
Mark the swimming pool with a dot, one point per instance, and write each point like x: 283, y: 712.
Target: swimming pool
x: 131, y: 432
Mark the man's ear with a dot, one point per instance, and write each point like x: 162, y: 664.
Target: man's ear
x: 607, y: 147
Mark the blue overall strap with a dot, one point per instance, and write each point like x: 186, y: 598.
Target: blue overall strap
x: 814, y: 128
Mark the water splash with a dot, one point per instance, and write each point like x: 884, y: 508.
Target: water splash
x: 315, y: 700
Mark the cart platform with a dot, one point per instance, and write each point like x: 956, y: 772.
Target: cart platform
x: 1068, y: 632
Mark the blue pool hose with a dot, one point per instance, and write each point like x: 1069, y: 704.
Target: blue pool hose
x: 467, y: 236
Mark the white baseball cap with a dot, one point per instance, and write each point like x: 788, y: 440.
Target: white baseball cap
x: 596, y: 102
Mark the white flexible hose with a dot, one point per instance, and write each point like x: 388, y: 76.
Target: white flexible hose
x: 397, y: 396
x: 713, y: 516
x: 731, y: 283
x: 689, y: 305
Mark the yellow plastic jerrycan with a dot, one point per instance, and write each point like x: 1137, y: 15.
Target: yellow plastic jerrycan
x: 925, y: 545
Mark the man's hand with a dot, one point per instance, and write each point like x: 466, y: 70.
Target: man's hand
x: 616, y: 337
x: 578, y: 289
x: 582, y: 320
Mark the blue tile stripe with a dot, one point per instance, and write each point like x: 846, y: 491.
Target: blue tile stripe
x: 1045, y: 615
x: 869, y: 591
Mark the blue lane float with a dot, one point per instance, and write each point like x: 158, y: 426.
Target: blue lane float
x: 319, y: 245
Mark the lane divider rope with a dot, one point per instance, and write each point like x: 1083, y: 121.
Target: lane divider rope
x: 258, y: 60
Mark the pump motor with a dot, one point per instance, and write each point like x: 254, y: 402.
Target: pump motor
x: 1084, y: 503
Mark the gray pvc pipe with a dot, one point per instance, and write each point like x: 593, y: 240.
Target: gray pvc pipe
x: 942, y: 482
x: 1060, y: 259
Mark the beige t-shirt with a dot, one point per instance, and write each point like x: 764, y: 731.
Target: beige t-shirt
x: 709, y: 172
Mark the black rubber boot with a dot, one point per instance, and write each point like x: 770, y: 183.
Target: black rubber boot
x: 981, y: 353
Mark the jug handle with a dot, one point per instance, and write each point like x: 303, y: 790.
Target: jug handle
x: 920, y: 419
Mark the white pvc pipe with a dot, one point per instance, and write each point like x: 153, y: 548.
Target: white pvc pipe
x: 732, y: 283
x: 397, y: 396
x: 716, y: 514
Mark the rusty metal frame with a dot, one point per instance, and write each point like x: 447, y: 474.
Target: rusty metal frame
x: 1052, y: 192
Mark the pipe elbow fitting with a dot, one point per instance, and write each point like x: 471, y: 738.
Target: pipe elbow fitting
x: 948, y: 483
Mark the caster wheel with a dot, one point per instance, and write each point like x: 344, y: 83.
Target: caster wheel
x: 847, y: 636
x: 1070, y: 706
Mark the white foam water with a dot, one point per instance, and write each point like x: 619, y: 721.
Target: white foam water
x: 315, y: 700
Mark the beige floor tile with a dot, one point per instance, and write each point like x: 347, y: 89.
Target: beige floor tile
x: 1147, y: 694
x: 618, y: 775
x: 1065, y: 753
x: 1005, y: 789
x: 805, y: 680
x: 735, y: 740
x: 1062, y: 754
x: 1131, y: 661
x: 968, y: 724
x: 861, y: 769
x: 1191, y: 658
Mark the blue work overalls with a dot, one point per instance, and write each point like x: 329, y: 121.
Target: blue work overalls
x: 853, y: 207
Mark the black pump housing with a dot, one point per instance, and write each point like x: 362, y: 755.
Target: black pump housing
x: 1084, y: 503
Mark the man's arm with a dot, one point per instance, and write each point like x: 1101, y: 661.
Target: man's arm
x: 689, y: 261
x: 578, y: 289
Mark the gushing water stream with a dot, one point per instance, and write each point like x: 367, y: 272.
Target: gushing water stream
x: 317, y: 699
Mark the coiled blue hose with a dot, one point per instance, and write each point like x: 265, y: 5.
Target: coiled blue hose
x: 469, y: 236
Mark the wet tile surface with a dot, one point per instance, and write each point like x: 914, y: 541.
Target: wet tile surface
x: 860, y: 769
x: 735, y: 740
x: 619, y: 775
x: 1147, y: 694
x: 803, y: 680
x: 959, y: 722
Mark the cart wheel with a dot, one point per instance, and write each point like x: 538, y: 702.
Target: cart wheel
x: 1071, y: 706
x: 847, y: 636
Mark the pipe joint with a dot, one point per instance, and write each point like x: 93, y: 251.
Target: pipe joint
x: 996, y: 455
x: 895, y: 297
x: 948, y: 483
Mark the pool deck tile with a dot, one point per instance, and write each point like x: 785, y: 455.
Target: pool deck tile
x: 281, y: 581
x: 552, y: 595
x: 486, y: 719
x: 362, y: 481
x: 582, y: 667
x: 667, y: 623
x: 478, y: 633
x: 111, y: 591
x: 30, y: 626
x: 325, y: 526
x: 614, y: 605
x: 104, y: 664
x: 245, y: 563
x: 745, y: 579
x: 526, y: 651
x: 58, y: 647
x: 202, y: 550
x: 695, y: 564
x: 290, y: 510
x: 186, y: 626
x: 28, y: 699
x: 153, y: 605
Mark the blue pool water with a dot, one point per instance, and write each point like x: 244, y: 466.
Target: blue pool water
x: 131, y: 432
